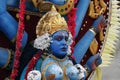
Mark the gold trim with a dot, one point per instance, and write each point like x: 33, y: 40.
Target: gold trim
x: 63, y: 69
x: 45, y: 68
x: 64, y: 9
x: 8, y: 61
x: 92, y: 13
x: 65, y: 77
x: 57, y: 59
x: 86, y: 70
x: 94, y: 46
x: 97, y: 8
x: 13, y: 40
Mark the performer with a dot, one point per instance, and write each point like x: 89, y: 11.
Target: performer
x: 54, y: 40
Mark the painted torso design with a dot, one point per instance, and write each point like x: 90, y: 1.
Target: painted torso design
x: 62, y: 69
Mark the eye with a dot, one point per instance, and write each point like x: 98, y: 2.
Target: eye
x: 58, y: 38
x: 66, y: 38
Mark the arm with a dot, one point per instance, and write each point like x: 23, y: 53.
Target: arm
x: 93, y: 62
x: 83, y: 44
x: 9, y: 25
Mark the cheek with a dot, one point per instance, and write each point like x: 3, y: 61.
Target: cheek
x: 55, y: 43
x: 54, y: 46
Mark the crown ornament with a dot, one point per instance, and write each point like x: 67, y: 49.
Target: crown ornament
x: 51, y: 22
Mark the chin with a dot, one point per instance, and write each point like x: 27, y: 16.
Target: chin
x: 62, y: 55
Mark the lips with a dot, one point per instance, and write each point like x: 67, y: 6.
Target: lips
x: 64, y: 49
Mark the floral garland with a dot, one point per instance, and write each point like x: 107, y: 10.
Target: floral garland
x: 18, y: 41
x: 72, y: 24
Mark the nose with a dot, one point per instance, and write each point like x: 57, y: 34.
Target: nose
x: 64, y: 42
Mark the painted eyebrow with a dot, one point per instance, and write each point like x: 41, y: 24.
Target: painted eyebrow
x: 60, y: 36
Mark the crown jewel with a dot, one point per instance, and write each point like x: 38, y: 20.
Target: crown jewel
x: 51, y: 22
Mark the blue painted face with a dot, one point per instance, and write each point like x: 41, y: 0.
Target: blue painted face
x: 59, y: 46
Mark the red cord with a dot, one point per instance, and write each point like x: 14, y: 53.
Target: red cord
x: 18, y: 40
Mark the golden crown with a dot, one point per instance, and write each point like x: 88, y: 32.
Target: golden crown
x: 50, y: 23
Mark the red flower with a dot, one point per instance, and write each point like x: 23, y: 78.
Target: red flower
x: 16, y: 64
x: 71, y: 24
x: 18, y: 54
x: 18, y: 45
x: 72, y: 14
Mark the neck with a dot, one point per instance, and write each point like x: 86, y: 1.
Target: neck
x: 58, y: 59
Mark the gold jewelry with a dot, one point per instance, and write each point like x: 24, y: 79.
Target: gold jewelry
x: 50, y: 23
x: 45, y: 68
x: 57, y: 59
x: 87, y: 70
x: 13, y: 40
x: 44, y: 6
x: 97, y: 8
x: 92, y: 13
x: 64, y: 9
x: 65, y: 77
x: 93, y: 46
x: 93, y: 31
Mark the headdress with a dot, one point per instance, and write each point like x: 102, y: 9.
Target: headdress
x: 47, y: 25
x: 50, y: 23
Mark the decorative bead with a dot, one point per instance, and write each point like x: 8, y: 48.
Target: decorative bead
x: 83, y: 25
x: 68, y: 5
x: 104, y: 32
x: 66, y: 9
x: 62, y: 10
x: 99, y: 50
x: 27, y: 17
x: 81, y: 28
x: 17, y: 15
x: 82, y: 60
